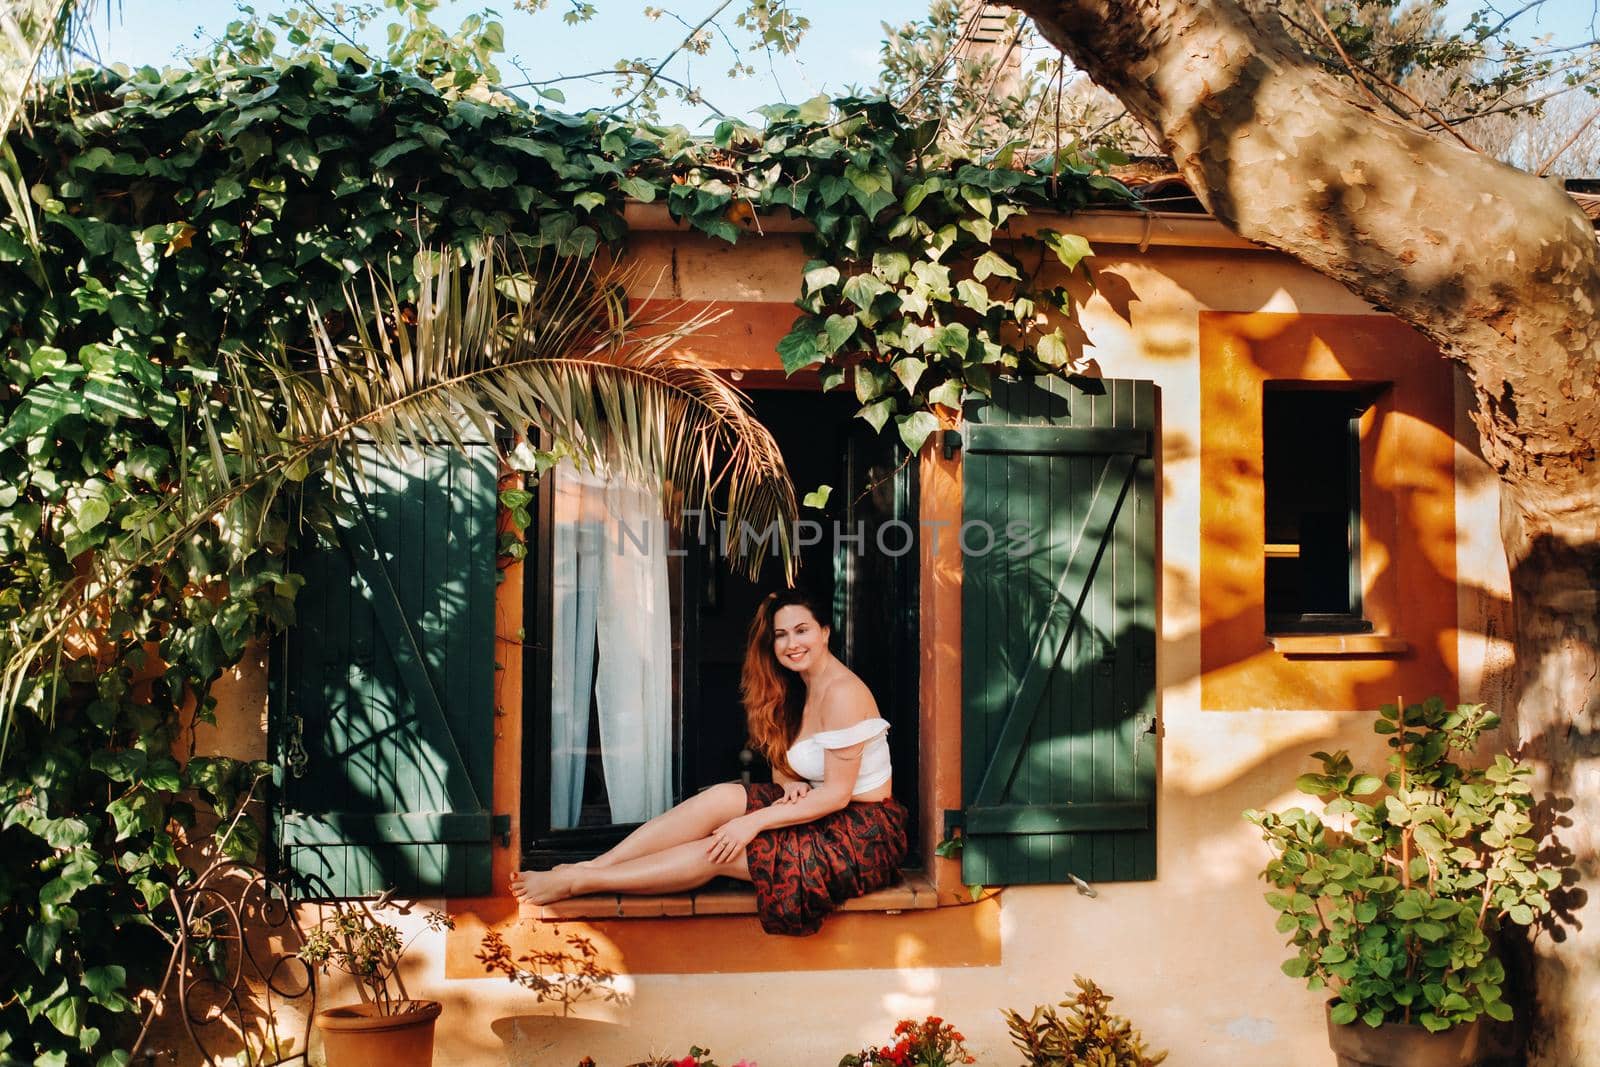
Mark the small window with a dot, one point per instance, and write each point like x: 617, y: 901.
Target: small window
x: 1312, y: 467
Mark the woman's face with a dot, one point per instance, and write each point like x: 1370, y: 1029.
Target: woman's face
x: 798, y: 640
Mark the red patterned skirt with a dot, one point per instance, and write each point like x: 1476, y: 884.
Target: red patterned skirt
x: 803, y: 872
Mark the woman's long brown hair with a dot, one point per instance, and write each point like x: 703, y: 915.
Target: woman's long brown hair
x: 774, y: 696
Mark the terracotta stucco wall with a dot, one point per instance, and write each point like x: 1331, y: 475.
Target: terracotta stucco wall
x: 1191, y: 957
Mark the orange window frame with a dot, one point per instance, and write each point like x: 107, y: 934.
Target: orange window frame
x: 1408, y: 518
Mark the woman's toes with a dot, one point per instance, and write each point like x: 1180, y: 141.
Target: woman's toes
x: 542, y: 887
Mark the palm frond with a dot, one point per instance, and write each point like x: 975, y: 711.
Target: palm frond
x: 485, y: 344
x: 554, y: 348
x: 29, y: 31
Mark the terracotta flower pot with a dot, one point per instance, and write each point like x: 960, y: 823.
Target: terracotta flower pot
x: 1399, y: 1044
x: 356, y: 1035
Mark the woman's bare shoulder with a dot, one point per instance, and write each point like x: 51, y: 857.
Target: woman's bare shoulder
x: 847, y: 702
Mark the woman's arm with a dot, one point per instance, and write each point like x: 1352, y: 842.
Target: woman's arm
x: 839, y: 771
x: 839, y: 776
x: 841, y: 767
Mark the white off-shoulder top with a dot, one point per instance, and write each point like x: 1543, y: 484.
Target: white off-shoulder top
x: 807, y: 754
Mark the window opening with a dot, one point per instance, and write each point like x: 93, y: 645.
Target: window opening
x: 699, y: 633
x: 1311, y: 443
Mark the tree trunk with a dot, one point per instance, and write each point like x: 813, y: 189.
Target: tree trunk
x: 1497, y: 267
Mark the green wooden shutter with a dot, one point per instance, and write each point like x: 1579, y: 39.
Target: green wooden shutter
x: 386, y: 685
x: 1058, y: 635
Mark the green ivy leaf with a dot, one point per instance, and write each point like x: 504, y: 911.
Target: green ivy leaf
x: 862, y: 289
x: 973, y: 294
x: 1069, y: 248
x: 638, y: 188
x: 993, y: 264
x: 66, y: 1015
x: 383, y: 157
x: 1052, y: 349
x: 891, y: 266
x: 836, y: 330
x: 818, y: 109
x: 909, y: 370
x: 818, y: 497
x: 300, y: 155
x: 820, y: 277
x: 953, y: 338
x: 979, y: 200
x: 78, y: 874
x: 40, y: 943
x: 105, y: 982
x: 798, y: 348
x: 915, y: 429
x: 947, y: 394
x: 877, y: 413
x: 918, y: 193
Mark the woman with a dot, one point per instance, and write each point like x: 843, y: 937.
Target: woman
x: 825, y: 829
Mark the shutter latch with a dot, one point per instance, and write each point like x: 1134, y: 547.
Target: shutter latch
x: 951, y: 440
x: 500, y: 825
x: 295, y: 755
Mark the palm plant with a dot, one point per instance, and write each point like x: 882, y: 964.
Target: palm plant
x: 30, y: 30
x: 553, y: 349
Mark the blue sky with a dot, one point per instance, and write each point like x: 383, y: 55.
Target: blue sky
x: 841, y: 48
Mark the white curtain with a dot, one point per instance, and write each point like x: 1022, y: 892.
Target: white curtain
x: 611, y: 642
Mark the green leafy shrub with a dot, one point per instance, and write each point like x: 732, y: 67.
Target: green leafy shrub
x: 1394, y: 903
x: 1089, y: 1034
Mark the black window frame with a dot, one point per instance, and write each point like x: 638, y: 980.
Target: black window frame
x: 1358, y: 398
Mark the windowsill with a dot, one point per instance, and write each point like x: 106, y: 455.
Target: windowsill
x: 1337, y: 645
x: 913, y: 892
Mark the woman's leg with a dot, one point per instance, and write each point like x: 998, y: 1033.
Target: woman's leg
x: 692, y: 820
x: 672, y: 870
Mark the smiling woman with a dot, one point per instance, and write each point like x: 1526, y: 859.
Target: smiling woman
x: 824, y: 830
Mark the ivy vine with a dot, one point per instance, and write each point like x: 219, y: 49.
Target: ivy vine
x: 918, y: 289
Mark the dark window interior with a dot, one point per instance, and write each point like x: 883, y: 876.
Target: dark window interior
x: 1312, y: 464
x: 874, y: 599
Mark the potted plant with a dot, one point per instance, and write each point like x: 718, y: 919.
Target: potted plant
x: 1392, y: 901
x: 387, y: 1028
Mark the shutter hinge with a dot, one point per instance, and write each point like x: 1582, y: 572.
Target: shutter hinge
x: 951, y: 442
x: 500, y: 826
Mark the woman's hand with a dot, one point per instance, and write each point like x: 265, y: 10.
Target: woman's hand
x: 793, y: 791
x: 730, y: 839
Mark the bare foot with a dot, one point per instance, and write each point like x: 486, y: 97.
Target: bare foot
x: 580, y: 865
x: 542, y: 887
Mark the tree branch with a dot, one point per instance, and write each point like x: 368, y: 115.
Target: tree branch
x: 1569, y: 142
x: 1352, y: 66
x: 655, y: 75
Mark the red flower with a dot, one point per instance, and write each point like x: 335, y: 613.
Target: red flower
x: 687, y: 1061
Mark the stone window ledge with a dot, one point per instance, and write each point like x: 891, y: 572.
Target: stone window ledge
x: 913, y: 892
x: 1322, y: 646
